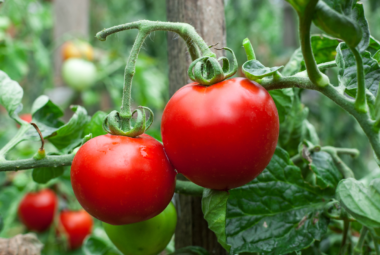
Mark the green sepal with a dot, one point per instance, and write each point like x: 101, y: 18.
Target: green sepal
x: 254, y: 70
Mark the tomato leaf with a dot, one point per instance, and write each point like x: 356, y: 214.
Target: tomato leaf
x: 276, y: 213
x: 254, y: 70
x: 283, y: 98
x: 294, y: 64
x: 44, y: 174
x: 360, y: 200
x: 96, y: 246
x: 11, y: 95
x: 69, y: 135
x: 191, y: 250
x: 214, y: 204
x: 326, y: 173
x: 95, y: 125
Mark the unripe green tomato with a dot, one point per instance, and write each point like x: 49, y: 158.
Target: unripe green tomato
x: 148, y: 237
x: 78, y: 73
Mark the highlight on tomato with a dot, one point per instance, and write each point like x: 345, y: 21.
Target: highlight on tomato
x: 76, y: 225
x: 148, y: 237
x: 36, y: 210
x: 121, y: 180
x: 220, y: 136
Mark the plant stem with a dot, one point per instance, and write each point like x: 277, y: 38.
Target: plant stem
x: 48, y: 161
x: 343, y: 168
x: 305, y: 20
x: 336, y: 95
x: 346, y: 228
x: 359, y: 246
x: 373, y: 236
x: 360, y: 102
x: 326, y: 65
x: 249, y: 49
x: 129, y: 72
x: 145, y: 27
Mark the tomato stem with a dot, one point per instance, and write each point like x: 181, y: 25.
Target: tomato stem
x: 359, y: 246
x: 360, y: 101
x: 120, y: 123
x: 313, y: 72
x: 249, y: 49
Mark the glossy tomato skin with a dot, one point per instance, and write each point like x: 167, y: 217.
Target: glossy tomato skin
x: 77, y: 225
x: 36, y: 210
x: 148, y: 237
x: 121, y: 180
x: 222, y: 136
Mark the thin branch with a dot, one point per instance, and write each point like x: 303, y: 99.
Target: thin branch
x: 39, y: 133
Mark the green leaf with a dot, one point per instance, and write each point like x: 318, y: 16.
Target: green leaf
x: 347, y: 70
x: 360, y: 200
x: 95, y: 246
x: 324, y: 50
x: 377, y: 56
x: 11, y: 95
x: 276, y: 213
x: 254, y: 70
x: 326, y: 173
x: 296, y: 128
x: 294, y: 64
x: 214, y: 204
x: 191, y: 250
x: 95, y: 126
x: 44, y: 174
x: 283, y: 98
x: 69, y: 135
x: 374, y: 46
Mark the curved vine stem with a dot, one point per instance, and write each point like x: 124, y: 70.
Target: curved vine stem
x: 145, y: 27
x: 359, y: 247
x: 336, y: 95
x: 360, y: 102
x: 313, y: 72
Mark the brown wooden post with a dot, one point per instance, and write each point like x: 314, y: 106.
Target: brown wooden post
x: 207, y: 16
x: 71, y: 18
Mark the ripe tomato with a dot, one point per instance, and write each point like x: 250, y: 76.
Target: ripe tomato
x: 77, y: 49
x: 221, y: 136
x: 36, y: 210
x: 76, y: 225
x: 148, y: 237
x: 122, y: 180
x: 78, y: 73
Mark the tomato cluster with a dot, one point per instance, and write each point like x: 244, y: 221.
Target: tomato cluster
x: 78, y: 70
x: 37, y: 212
x: 220, y: 137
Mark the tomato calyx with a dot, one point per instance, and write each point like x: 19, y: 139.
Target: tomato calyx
x: 116, y: 124
x: 206, y: 70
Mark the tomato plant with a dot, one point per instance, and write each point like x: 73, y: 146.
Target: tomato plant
x: 78, y: 73
x: 148, y: 237
x: 37, y: 209
x: 221, y: 136
x: 77, y: 225
x: 77, y: 49
x: 122, y: 180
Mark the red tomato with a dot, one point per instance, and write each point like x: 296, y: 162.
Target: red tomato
x: 26, y: 117
x: 221, y: 136
x: 36, y: 210
x: 122, y: 180
x: 77, y: 225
